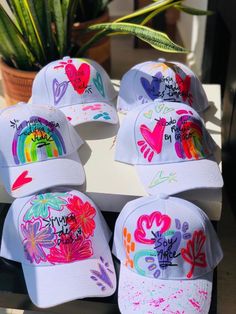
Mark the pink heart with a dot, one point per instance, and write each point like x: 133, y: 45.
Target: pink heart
x: 21, y: 180
x: 79, y: 78
x: 154, y: 138
x: 156, y: 219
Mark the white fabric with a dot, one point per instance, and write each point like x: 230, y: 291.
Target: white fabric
x: 168, y: 250
x: 72, y: 84
x: 161, y: 79
x: 169, y: 146
x: 38, y: 149
x: 144, y: 295
x: 58, y: 238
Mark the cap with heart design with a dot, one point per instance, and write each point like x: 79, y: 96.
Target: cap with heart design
x: 80, y: 88
x: 161, y: 79
x: 62, y: 242
x: 168, y: 250
x: 38, y: 149
x: 170, y: 148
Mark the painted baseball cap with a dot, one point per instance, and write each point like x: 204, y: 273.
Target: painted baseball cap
x: 168, y: 250
x: 80, y: 88
x: 161, y: 79
x: 38, y: 149
x: 170, y: 148
x: 60, y: 241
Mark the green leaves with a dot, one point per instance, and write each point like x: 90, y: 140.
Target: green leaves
x: 12, y: 45
x: 35, y: 32
x: 192, y: 11
x: 156, y: 39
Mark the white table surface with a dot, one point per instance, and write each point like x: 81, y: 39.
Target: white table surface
x: 111, y: 184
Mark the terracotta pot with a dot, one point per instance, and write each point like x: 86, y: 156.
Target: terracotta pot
x: 100, y: 52
x: 17, y: 84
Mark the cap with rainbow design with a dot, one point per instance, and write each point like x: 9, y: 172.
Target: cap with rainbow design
x: 38, y: 149
x: 170, y: 148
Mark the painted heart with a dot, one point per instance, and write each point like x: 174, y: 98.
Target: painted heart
x: 151, y: 222
x: 99, y: 84
x: 148, y: 114
x: 59, y: 90
x: 154, y: 138
x: 152, y: 89
x: 78, y: 78
x: 184, y: 87
x: 167, y: 248
x: 21, y: 180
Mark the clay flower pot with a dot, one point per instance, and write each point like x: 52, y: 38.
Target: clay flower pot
x: 17, y: 84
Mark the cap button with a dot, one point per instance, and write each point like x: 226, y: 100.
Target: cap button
x: 161, y: 60
x: 163, y: 196
x: 66, y: 58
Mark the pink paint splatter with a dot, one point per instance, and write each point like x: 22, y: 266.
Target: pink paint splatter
x: 204, y: 293
x: 136, y: 303
x: 156, y: 303
x: 195, y: 304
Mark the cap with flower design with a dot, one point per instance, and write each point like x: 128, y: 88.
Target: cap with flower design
x: 61, y: 240
x: 168, y: 250
x: 80, y: 88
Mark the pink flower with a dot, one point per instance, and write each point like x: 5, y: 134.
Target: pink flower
x: 71, y: 250
x: 84, y: 214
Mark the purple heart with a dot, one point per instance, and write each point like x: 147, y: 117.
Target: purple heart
x: 153, y: 88
x: 167, y: 248
x: 59, y: 90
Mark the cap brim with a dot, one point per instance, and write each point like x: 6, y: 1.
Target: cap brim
x: 174, y: 178
x: 139, y: 294
x: 89, y: 112
x: 27, y: 179
x: 52, y: 285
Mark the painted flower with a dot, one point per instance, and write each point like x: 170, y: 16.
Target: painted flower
x: 70, y: 250
x: 84, y: 214
x: 42, y: 204
x: 35, y: 239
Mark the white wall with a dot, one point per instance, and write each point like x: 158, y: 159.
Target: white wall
x: 121, y: 7
x: 192, y: 32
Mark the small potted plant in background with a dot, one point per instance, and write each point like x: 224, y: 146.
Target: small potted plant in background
x: 34, y: 33
x: 90, y: 12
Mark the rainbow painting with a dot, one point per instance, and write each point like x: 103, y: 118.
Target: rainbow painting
x: 189, y: 138
x: 37, y: 139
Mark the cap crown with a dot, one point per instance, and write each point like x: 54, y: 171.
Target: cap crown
x: 169, y: 81
x: 53, y: 228
x: 166, y: 239
x: 35, y: 133
x: 72, y: 81
x: 162, y: 132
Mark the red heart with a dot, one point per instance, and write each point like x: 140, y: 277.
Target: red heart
x: 148, y: 220
x: 154, y: 138
x: 79, y: 78
x: 21, y: 180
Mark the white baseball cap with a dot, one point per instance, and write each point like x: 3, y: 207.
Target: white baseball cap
x: 80, y: 88
x: 60, y: 241
x: 170, y: 148
x: 38, y: 149
x: 161, y: 79
x: 168, y: 250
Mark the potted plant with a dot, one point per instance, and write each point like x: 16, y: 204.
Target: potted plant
x: 91, y: 12
x: 33, y: 33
